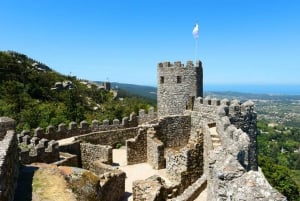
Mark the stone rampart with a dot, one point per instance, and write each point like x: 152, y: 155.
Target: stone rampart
x: 67, y: 159
x: 173, y: 131
x: 74, y: 149
x: 98, y: 167
x: 112, y: 185
x: 155, y: 150
x: 146, y: 117
x: 39, y: 150
x: 137, y: 148
x: 84, y: 128
x: 112, y: 137
x: 64, y: 131
x: 185, y: 166
x: 9, y: 160
x: 228, y: 164
x: 93, y: 152
x: 206, y: 109
x: 193, y: 191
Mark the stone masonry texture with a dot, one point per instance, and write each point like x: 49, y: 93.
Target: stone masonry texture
x: 9, y: 163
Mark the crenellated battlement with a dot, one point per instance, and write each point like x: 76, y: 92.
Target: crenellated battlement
x: 73, y: 129
x: 38, y: 150
x: 179, y: 64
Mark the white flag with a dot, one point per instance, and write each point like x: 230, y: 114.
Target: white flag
x: 196, y: 31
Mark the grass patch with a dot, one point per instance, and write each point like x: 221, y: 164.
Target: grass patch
x: 48, y: 184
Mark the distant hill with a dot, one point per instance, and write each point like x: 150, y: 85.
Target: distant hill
x: 36, y: 96
x: 151, y: 92
x: 147, y: 92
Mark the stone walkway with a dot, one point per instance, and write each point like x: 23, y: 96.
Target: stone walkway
x: 65, y: 141
x: 134, y: 172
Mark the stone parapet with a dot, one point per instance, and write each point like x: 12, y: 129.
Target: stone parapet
x: 93, y: 152
x: 111, y: 138
x: 137, y: 148
x: 9, y: 159
x: 39, y: 150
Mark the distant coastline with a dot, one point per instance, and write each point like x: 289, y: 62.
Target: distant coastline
x: 276, y: 89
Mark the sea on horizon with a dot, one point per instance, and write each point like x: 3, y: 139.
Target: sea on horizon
x: 276, y: 89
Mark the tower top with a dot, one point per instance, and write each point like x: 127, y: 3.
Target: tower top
x: 179, y: 64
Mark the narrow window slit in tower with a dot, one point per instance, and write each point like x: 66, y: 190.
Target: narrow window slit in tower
x: 178, y: 79
x: 162, y: 79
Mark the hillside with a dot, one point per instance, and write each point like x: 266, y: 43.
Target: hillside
x: 147, y: 92
x: 35, y: 95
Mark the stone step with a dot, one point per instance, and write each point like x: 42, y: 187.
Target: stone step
x: 215, y: 145
x: 215, y: 138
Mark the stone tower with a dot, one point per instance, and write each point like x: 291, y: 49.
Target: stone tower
x: 178, y: 86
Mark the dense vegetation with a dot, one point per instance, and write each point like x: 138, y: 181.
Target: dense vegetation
x: 279, y: 157
x: 26, y: 96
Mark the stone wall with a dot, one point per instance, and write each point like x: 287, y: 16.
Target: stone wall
x: 98, y: 167
x: 193, y: 191
x: 67, y: 159
x: 72, y: 148
x: 87, y: 185
x: 6, y: 124
x: 111, y: 137
x: 137, y: 148
x: 151, y: 189
x: 64, y: 131
x: 39, y: 150
x: 229, y: 180
x: 244, y: 117
x: 146, y: 117
x: 228, y: 174
x: 112, y: 185
x: 178, y: 86
x: 205, y: 110
x: 155, y: 150
x: 186, y: 165
x: 9, y: 161
x: 92, y: 152
x: 173, y: 131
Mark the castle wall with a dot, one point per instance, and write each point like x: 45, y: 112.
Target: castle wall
x: 39, y: 150
x: 67, y: 159
x: 98, y: 167
x: 137, y: 148
x: 228, y: 165
x: 74, y: 149
x: 155, y: 150
x: 173, y: 131
x: 112, y: 185
x: 92, y: 152
x: 146, y: 117
x: 193, y: 191
x: 9, y: 161
x: 244, y: 117
x: 151, y: 189
x: 186, y: 165
x: 64, y: 131
x: 178, y: 86
x: 111, y: 137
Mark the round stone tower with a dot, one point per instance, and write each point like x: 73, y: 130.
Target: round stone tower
x: 178, y: 86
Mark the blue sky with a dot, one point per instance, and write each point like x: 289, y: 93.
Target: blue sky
x: 240, y: 41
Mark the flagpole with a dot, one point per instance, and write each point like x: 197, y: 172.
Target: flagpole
x: 196, y: 49
x: 195, y: 33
